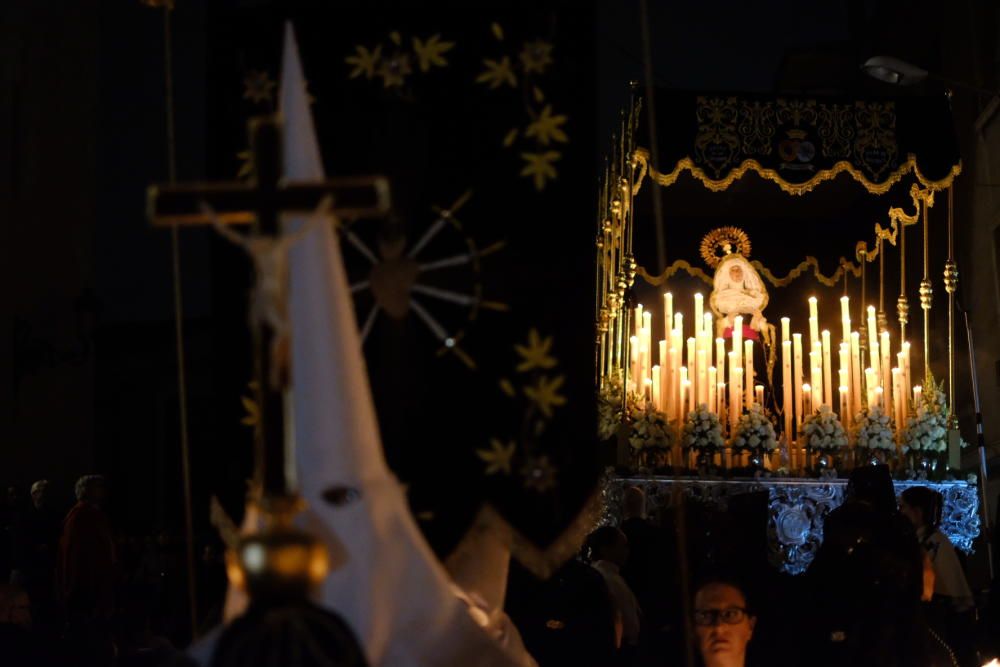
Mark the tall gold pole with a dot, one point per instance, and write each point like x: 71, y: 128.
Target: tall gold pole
x: 950, y: 286
x: 902, y: 305
x: 883, y: 322
x: 926, y: 289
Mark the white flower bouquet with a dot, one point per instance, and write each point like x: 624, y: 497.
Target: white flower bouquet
x: 609, y: 407
x: 823, y: 430
x: 702, y: 430
x: 650, y: 429
x: 875, y: 429
x: 927, y: 430
x: 755, y: 430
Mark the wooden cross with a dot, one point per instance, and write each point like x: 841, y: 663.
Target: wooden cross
x: 259, y: 204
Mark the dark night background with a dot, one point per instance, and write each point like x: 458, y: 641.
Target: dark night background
x: 88, y: 365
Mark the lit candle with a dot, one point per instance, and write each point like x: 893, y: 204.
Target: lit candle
x: 647, y: 385
x: 674, y: 402
x: 845, y: 317
x: 879, y: 395
x: 692, y: 366
x: 679, y: 325
x: 843, y: 402
x: 827, y: 370
x: 856, y: 372
x: 713, y: 385
x: 633, y: 346
x: 758, y: 393
x: 844, y: 374
x: 907, y: 379
x: 918, y: 395
x: 885, y: 366
x: 655, y: 382
x: 699, y: 312
x: 870, y: 382
x: 797, y: 376
x: 685, y: 391
x: 872, y: 338
x: 664, y: 378
x: 668, y: 311
x: 738, y: 399
x: 638, y: 319
x: 732, y: 387
x: 814, y: 339
x: 787, y: 407
x: 817, y: 387
x: 897, y: 403
x: 720, y: 357
x: 643, y: 363
x: 748, y: 377
x: 720, y: 396
x: 702, y: 378
x: 706, y: 332
x: 738, y: 340
x: 806, y: 401
x: 786, y: 324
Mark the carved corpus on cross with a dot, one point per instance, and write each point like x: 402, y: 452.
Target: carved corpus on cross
x: 260, y: 204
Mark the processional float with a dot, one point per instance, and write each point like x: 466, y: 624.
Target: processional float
x: 699, y: 381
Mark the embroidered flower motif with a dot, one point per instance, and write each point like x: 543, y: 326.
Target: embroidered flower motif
x: 258, y: 87
x: 364, y: 61
x: 429, y: 53
x: 395, y: 69
x: 538, y: 473
x: 539, y: 167
x: 547, y: 128
x: 498, y: 456
x: 535, y: 353
x: 545, y: 394
x: 497, y: 73
x: 536, y: 56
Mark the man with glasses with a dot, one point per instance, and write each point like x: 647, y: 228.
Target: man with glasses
x: 723, y: 624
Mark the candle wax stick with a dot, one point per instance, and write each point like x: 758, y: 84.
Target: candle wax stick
x: 785, y: 329
x: 664, y: 377
x: 638, y: 319
x: 692, y: 366
x: 720, y: 357
x: 856, y: 372
x: 807, y: 407
x: 827, y: 370
x: 872, y: 338
x: 758, y: 394
x: 668, y: 314
x: 702, y: 379
x: 814, y: 339
x: 713, y: 382
x: 699, y: 312
x: 655, y: 384
x: 797, y: 376
x: 748, y: 376
x: 787, y: 407
x: 845, y: 318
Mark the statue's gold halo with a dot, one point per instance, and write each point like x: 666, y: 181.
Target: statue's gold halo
x: 713, y: 246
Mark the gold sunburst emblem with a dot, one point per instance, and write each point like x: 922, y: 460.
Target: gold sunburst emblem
x: 724, y: 241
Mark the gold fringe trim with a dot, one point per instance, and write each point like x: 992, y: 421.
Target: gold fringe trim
x: 718, y: 185
x: 794, y: 274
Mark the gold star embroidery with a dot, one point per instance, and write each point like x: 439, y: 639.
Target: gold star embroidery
x: 539, y: 474
x: 536, y: 56
x: 364, y: 61
x: 546, y: 128
x: 535, y: 353
x: 545, y: 394
x: 497, y: 73
x: 497, y: 457
x: 252, y: 416
x: 395, y: 69
x: 429, y: 53
x: 246, y: 164
x: 258, y: 87
x: 540, y: 167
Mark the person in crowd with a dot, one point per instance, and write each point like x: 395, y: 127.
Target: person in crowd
x: 864, y: 587
x: 567, y: 619
x: 19, y: 643
x: 36, y: 537
x: 952, y: 609
x: 85, y: 567
x: 723, y: 623
x: 609, y: 550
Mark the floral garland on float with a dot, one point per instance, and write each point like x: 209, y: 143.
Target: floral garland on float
x: 755, y: 434
x: 650, y: 436
x: 925, y: 441
x: 703, y: 432
x: 874, y: 434
x: 825, y: 438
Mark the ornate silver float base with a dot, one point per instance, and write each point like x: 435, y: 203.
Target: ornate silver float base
x: 797, y: 509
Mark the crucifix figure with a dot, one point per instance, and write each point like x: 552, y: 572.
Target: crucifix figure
x: 259, y: 204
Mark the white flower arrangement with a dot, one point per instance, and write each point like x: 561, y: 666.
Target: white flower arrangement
x: 875, y: 429
x: 927, y: 430
x: 609, y: 407
x: 755, y: 430
x: 702, y: 430
x: 650, y: 429
x: 823, y: 431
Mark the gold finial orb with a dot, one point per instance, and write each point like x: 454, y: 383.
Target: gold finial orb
x: 279, y: 561
x: 724, y: 241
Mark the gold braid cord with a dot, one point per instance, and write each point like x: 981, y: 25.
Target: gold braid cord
x: 846, y: 267
x: 718, y: 185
